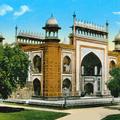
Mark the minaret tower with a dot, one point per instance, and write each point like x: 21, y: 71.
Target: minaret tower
x: 51, y: 59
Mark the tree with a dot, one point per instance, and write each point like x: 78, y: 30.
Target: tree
x: 13, y: 69
x: 114, y: 82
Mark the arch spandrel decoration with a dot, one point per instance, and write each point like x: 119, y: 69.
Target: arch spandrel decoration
x: 67, y: 65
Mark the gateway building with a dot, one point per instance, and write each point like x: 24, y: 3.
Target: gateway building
x: 80, y: 67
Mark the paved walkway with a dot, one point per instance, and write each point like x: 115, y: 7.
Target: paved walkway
x: 96, y: 113
x: 89, y: 113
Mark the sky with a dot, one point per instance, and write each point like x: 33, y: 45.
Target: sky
x: 31, y: 15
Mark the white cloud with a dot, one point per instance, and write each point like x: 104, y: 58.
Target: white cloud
x: 4, y: 9
x: 23, y: 10
x: 116, y: 13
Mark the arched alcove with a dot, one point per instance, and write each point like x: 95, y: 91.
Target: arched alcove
x: 112, y: 65
x: 66, y: 65
x: 37, y: 64
x: 66, y: 85
x: 88, y: 88
x: 37, y: 87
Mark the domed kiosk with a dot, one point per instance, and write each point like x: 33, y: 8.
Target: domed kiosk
x: 117, y: 42
x: 51, y: 30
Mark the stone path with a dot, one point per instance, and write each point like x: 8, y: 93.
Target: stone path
x: 89, y: 113
x: 96, y: 113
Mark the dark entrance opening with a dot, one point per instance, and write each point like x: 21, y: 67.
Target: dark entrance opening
x: 67, y: 84
x: 92, y: 65
x: 37, y: 64
x: 37, y: 87
x: 88, y: 88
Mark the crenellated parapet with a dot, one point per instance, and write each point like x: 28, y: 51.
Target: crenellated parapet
x: 29, y: 38
x: 90, y: 25
x: 90, y: 30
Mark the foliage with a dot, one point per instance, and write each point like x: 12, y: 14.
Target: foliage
x: 114, y: 83
x: 112, y: 117
x: 31, y: 115
x: 13, y: 69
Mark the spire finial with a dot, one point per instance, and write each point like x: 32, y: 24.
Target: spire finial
x: 52, y: 15
x: 16, y: 30
x: 107, y: 24
x: 74, y: 15
x: 16, y: 33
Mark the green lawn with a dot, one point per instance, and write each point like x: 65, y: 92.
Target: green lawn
x: 29, y: 115
x: 112, y: 117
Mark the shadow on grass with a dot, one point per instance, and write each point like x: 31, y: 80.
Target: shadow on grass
x: 10, y: 109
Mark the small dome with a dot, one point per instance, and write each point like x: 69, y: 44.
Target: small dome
x: 52, y: 24
x: 117, y: 37
x: 52, y: 21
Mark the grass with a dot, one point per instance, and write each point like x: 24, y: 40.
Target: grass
x: 8, y: 113
x: 112, y: 117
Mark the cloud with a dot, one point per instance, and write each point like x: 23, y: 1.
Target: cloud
x: 4, y: 9
x: 23, y: 9
x: 116, y: 13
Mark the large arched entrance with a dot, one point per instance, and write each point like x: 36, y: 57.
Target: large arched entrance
x: 37, y: 87
x: 88, y: 88
x: 91, y: 65
x: 91, y: 74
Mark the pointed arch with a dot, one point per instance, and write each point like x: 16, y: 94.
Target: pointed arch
x: 89, y: 88
x: 91, y: 65
x: 37, y: 64
x: 66, y: 65
x: 112, y: 65
x: 67, y: 85
x: 37, y: 87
